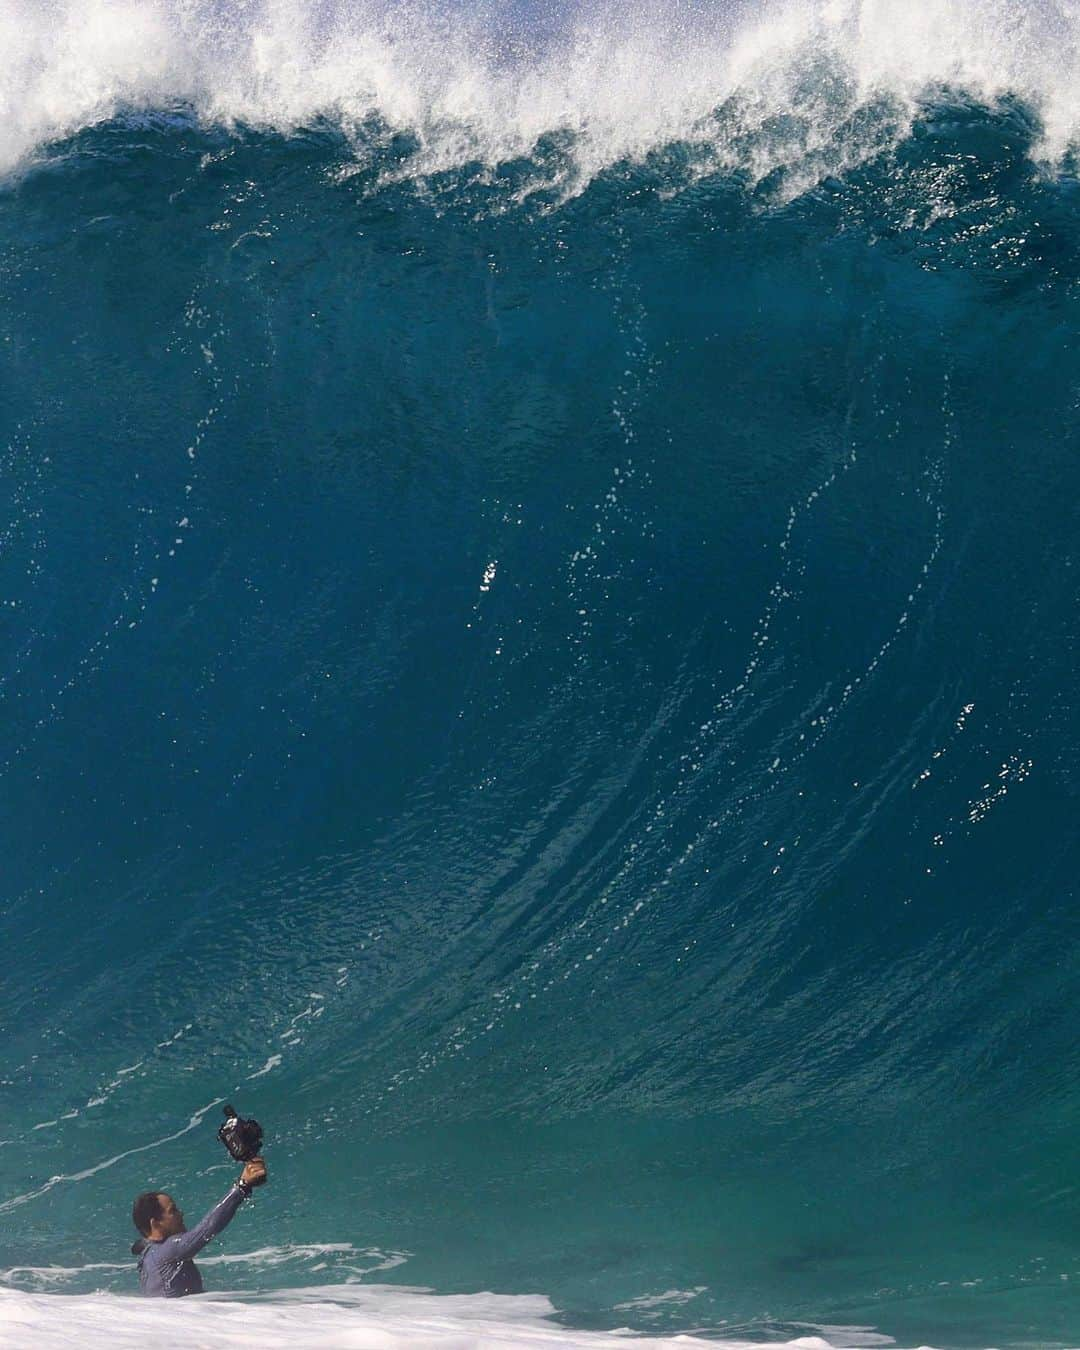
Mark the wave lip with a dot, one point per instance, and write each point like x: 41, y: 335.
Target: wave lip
x: 483, y: 87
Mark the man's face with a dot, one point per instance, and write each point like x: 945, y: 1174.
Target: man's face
x: 171, y: 1220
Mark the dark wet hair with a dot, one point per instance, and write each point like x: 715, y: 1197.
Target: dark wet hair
x: 146, y: 1207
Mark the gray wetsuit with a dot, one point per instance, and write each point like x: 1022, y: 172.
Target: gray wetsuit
x: 166, y: 1269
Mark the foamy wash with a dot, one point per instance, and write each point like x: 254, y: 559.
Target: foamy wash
x: 539, y: 603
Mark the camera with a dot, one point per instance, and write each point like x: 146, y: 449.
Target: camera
x: 243, y: 1138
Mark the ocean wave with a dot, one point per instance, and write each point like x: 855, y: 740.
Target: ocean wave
x: 538, y: 583
x: 820, y: 85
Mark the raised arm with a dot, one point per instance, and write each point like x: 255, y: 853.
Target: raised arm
x: 184, y: 1245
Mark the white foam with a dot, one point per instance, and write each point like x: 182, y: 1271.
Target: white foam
x: 668, y: 1297
x: 374, y: 1317
x: 344, y: 1256
x: 617, y: 81
x: 271, y: 1063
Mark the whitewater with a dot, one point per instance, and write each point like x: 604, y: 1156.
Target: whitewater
x: 538, y: 617
x: 486, y: 82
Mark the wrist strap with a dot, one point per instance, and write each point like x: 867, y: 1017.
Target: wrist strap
x: 244, y: 1188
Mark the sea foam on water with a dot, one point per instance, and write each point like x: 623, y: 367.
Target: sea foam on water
x: 486, y: 83
x: 337, y: 1318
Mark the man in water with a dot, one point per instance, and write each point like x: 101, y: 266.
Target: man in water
x: 166, y: 1247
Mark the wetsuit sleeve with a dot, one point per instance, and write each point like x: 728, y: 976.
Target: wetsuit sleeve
x: 184, y: 1245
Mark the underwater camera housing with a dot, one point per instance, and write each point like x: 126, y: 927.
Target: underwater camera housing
x: 243, y: 1138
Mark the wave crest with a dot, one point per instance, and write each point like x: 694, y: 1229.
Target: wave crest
x: 816, y: 86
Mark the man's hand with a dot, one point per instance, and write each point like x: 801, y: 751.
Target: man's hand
x: 254, y: 1173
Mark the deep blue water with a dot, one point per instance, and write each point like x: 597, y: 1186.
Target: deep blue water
x: 561, y: 704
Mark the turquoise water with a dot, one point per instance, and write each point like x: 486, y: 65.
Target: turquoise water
x: 549, y: 678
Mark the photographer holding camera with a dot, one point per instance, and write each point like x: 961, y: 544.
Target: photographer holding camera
x: 166, y: 1247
